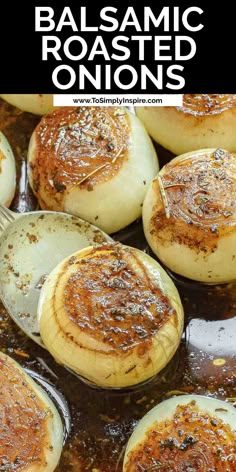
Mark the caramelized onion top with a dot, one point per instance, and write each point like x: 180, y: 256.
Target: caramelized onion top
x: 207, y: 104
x: 110, y: 296
x: 196, y: 199
x: 23, y: 421
x: 78, y: 146
x: 190, y: 440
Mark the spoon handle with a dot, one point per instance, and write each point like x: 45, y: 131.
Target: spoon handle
x: 24, y: 199
x: 6, y: 217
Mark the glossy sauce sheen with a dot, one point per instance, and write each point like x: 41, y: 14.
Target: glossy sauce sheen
x: 111, y: 297
x: 191, y: 441
x: 207, y: 104
x: 102, y: 420
x: 23, y: 421
x: 78, y: 146
x: 200, y: 193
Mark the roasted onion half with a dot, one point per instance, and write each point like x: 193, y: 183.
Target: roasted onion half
x: 189, y: 215
x: 92, y: 162
x: 31, y: 433
x: 186, y: 433
x: 204, y: 121
x: 111, y: 314
x: 39, y: 104
x: 7, y: 172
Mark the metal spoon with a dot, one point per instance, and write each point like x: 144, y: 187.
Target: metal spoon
x: 31, y: 245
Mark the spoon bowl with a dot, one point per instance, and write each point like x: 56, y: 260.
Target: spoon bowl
x: 31, y: 245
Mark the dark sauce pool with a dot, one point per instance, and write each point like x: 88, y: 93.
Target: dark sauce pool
x: 102, y: 420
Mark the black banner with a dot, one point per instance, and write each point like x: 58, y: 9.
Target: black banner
x: 109, y: 47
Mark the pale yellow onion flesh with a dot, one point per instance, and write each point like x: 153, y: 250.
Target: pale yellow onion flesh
x: 39, y: 104
x: 53, y: 430
x: 114, y: 203
x: 97, y: 361
x: 212, y: 264
x: 180, y: 131
x: 7, y: 172
x: 164, y: 411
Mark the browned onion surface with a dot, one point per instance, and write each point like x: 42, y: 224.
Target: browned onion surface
x: 111, y: 296
x: 77, y: 146
x: 207, y: 104
x: 190, y: 440
x: 200, y: 200
x: 23, y: 421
